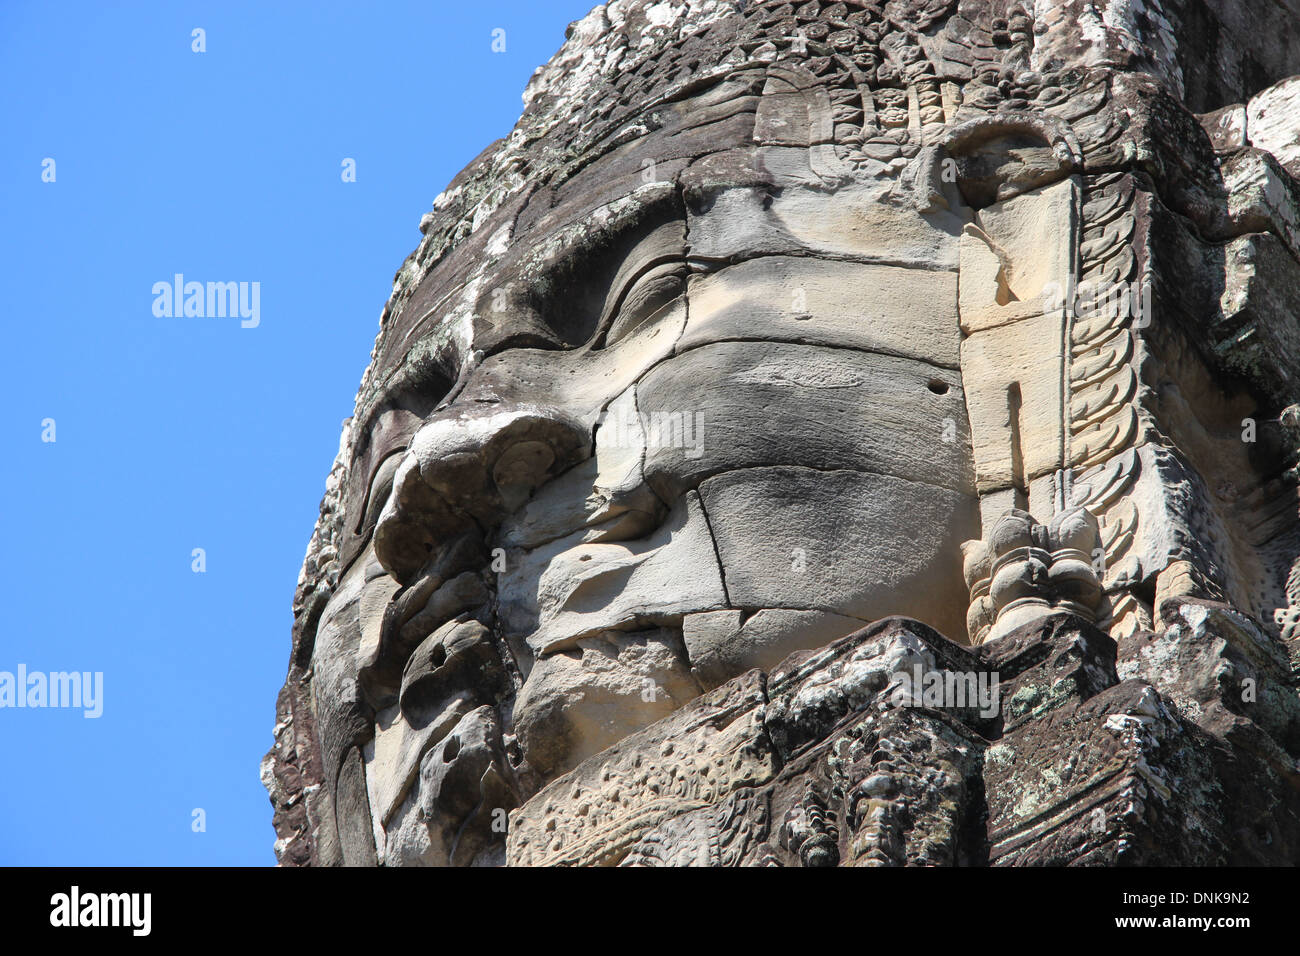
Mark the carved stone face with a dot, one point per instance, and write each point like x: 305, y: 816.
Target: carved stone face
x: 721, y: 369
x: 752, y: 440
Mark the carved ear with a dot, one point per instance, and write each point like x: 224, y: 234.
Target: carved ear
x: 1001, y: 156
x: 930, y: 181
x: 1020, y: 254
x: 984, y: 266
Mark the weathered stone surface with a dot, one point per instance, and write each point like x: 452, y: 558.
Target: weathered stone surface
x: 1257, y: 336
x: 841, y: 541
x: 1271, y: 122
x: 621, y: 680
x: 563, y: 592
x: 1068, y: 766
x: 752, y: 401
x: 723, y: 643
x: 770, y: 320
x: 715, y: 746
x: 1114, y: 780
x: 1226, y: 128
x: 873, y: 308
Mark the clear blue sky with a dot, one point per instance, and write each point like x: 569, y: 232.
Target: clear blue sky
x: 181, y: 433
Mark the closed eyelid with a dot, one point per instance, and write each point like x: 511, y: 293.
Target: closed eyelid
x: 655, y: 280
x: 382, y: 473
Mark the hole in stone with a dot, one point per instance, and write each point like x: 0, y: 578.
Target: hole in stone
x: 938, y: 387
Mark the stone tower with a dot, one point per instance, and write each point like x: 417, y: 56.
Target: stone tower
x: 830, y: 433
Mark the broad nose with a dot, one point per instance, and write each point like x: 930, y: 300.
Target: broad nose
x: 471, y: 465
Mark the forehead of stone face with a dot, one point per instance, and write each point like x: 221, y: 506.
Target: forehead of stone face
x: 636, y: 94
x: 631, y: 99
x: 541, y: 279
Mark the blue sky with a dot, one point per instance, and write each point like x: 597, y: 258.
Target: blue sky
x: 179, y: 433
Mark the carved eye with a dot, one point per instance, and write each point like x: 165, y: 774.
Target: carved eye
x: 652, y: 292
x: 414, y: 390
x: 380, y: 486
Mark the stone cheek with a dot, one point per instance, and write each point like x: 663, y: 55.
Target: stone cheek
x: 770, y: 323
